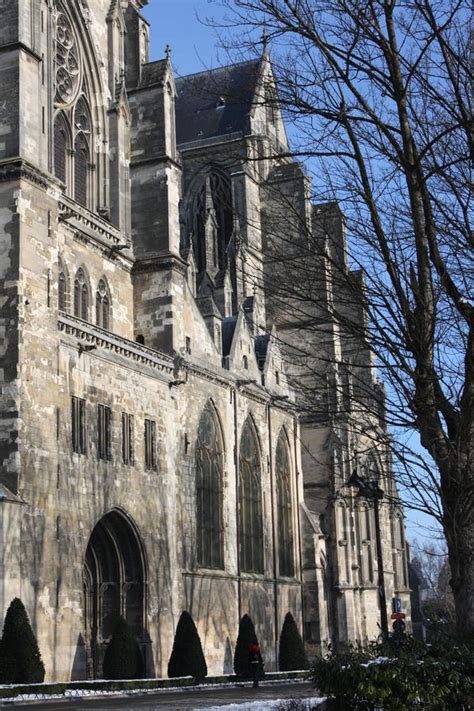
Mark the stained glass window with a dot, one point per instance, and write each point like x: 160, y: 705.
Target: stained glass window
x: 286, y: 561
x: 209, y: 473
x: 250, y: 503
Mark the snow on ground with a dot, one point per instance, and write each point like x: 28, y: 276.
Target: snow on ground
x: 275, y: 704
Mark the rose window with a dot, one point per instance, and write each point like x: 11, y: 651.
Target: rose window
x: 67, y: 61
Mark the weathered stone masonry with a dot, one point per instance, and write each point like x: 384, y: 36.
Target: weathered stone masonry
x: 130, y: 246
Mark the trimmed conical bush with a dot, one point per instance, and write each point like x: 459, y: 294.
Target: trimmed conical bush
x: 292, y: 656
x: 20, y: 658
x: 187, y: 657
x: 122, y: 659
x: 246, y: 637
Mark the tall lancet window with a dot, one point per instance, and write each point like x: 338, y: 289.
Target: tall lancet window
x: 286, y: 562
x: 213, y: 201
x: 102, y: 305
x: 82, y: 153
x: 81, y: 296
x: 250, y: 502
x: 209, y: 490
x: 61, y: 147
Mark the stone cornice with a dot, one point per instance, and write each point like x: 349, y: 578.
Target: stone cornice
x: 91, y: 337
x: 91, y: 227
x: 19, y: 169
x: 160, y: 263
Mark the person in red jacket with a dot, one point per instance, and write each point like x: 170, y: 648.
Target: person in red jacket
x: 255, y: 664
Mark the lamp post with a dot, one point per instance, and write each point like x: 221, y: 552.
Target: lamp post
x: 371, y: 490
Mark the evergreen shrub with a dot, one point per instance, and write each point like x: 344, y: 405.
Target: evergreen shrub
x: 291, y: 650
x: 122, y: 659
x: 187, y: 657
x: 399, y: 676
x: 245, y: 638
x: 20, y: 658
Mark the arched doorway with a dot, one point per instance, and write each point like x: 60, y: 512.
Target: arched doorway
x: 114, y: 584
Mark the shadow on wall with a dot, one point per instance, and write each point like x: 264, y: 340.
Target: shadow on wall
x: 79, y: 666
x: 228, y: 658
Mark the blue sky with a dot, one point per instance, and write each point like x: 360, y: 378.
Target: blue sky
x: 175, y: 22
x: 181, y: 24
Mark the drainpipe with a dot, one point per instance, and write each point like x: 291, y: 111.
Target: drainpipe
x: 274, y: 548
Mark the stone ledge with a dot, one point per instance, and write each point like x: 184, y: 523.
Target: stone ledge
x: 89, y: 335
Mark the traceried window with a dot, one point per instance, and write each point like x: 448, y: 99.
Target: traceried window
x: 81, y: 296
x: 102, y: 305
x: 209, y: 474
x: 215, y: 194
x: 250, y: 502
x: 286, y: 563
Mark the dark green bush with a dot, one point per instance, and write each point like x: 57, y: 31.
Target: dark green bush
x: 399, y: 676
x: 187, y: 657
x: 20, y: 658
x: 291, y: 651
x: 245, y: 638
x: 122, y: 659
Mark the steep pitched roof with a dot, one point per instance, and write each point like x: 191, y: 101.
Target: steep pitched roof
x: 215, y: 102
x: 154, y: 72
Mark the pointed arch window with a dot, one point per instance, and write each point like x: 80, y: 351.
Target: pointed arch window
x: 250, y: 502
x: 82, y: 157
x: 286, y: 561
x: 215, y: 194
x: 61, y: 147
x: 209, y: 490
x: 81, y: 296
x: 102, y: 305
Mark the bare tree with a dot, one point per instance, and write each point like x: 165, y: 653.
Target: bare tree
x: 379, y: 96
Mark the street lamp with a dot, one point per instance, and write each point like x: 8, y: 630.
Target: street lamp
x: 371, y: 490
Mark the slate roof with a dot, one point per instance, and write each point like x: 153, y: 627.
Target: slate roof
x: 154, y: 72
x: 228, y: 329
x: 261, y: 349
x: 215, y: 102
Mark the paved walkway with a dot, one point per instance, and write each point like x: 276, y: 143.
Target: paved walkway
x: 176, y: 700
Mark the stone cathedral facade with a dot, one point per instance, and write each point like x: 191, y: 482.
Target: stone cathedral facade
x: 153, y: 455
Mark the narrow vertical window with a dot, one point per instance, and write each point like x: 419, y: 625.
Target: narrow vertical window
x: 82, y: 153
x: 250, y: 503
x: 78, y: 417
x: 150, y: 445
x: 128, y: 454
x: 286, y: 562
x: 81, y: 296
x: 209, y: 473
x: 104, y: 432
x: 103, y: 305
x: 61, y: 145
x: 62, y: 291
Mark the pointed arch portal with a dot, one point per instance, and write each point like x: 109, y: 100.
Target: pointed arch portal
x: 114, y: 584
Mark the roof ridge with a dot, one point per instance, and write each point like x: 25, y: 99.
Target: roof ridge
x: 216, y: 69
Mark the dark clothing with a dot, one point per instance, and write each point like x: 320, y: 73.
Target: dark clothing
x: 255, y: 665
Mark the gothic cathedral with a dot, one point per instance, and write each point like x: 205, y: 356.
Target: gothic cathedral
x: 155, y: 456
